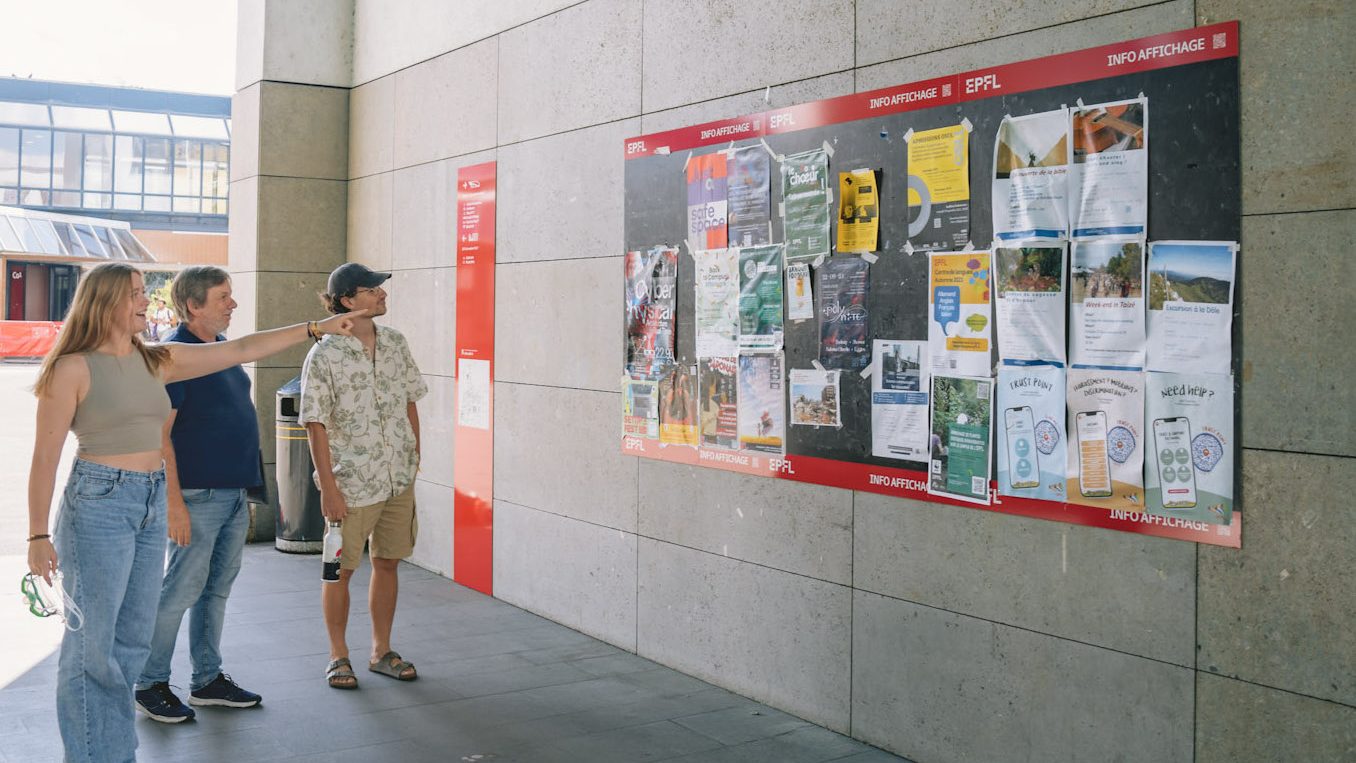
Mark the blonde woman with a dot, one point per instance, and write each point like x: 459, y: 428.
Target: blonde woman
x: 102, y: 382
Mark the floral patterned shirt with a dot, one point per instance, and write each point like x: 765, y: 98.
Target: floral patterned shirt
x: 361, y: 402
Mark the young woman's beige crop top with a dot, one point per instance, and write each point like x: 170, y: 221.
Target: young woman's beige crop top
x: 125, y: 409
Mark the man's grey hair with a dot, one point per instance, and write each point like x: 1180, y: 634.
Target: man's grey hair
x: 192, y: 284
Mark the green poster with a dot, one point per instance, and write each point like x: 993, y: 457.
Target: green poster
x: 961, y: 442
x: 805, y: 202
x: 760, y: 298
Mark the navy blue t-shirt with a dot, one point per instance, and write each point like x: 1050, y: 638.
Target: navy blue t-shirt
x: 215, y: 433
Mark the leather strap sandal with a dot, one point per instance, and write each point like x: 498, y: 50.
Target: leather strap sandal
x: 390, y: 664
x: 339, y: 674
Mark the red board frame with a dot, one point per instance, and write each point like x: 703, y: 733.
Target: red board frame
x: 473, y: 460
x: 1187, y: 46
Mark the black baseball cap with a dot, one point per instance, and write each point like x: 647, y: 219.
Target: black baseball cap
x: 351, y: 276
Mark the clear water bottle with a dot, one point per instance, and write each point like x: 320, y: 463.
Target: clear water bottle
x: 334, y: 547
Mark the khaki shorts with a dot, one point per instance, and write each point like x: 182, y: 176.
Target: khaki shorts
x: 391, y: 525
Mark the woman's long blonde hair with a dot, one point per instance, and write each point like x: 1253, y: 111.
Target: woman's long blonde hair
x: 89, y: 323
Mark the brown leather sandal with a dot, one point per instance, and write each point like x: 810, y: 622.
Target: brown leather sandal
x: 390, y: 664
x: 339, y: 674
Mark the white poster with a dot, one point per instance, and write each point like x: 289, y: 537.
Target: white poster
x: 717, y: 303
x: 899, y: 399
x: 473, y: 393
x: 1189, y: 473
x: 814, y: 398
x: 1106, y: 312
x: 1031, y: 177
x: 1029, y: 427
x: 800, y: 300
x: 1191, y: 295
x: 1029, y: 302
x: 1106, y: 439
x: 1110, y: 170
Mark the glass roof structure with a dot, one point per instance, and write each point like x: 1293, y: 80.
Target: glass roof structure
x: 53, y: 236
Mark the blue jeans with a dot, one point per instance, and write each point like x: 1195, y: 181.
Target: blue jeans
x: 199, y: 576
x: 110, y: 543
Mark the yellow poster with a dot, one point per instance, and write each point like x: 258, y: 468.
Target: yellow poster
x: 939, y: 188
x: 858, y: 211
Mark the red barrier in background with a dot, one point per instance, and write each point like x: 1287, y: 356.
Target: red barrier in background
x: 27, y: 339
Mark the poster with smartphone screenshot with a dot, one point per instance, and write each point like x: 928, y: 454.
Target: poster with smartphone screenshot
x: 961, y: 438
x: 1189, y: 472
x: 1191, y: 306
x: 1106, y: 304
x: 1030, y: 432
x: 1105, y: 466
x: 899, y: 399
x: 1029, y: 302
x: 1109, y: 175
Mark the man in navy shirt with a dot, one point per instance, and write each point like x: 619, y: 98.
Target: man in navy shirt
x: 211, y: 446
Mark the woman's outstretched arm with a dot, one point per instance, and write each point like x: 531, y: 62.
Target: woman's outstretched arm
x: 189, y: 361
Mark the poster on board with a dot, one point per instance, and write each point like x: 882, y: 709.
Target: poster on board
x: 959, y: 319
x: 716, y: 309
x: 961, y: 438
x: 1031, y: 176
x: 707, y: 199
x: 805, y: 205
x: 678, y: 407
x: 651, y: 301
x: 750, y: 221
x: 1191, y: 296
x: 1109, y: 176
x: 1189, y: 472
x: 939, y: 188
x: 1106, y: 310
x: 858, y: 211
x: 814, y: 398
x: 762, y: 403
x: 842, y: 284
x: 1105, y: 422
x: 900, y: 384
x: 760, y: 298
x: 640, y: 408
x: 1030, y: 427
x: 718, y: 392
x: 1029, y: 302
x: 800, y: 298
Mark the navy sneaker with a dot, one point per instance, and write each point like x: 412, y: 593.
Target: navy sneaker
x: 223, y: 692
x: 159, y: 703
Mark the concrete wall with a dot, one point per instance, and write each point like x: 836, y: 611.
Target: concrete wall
x: 940, y: 633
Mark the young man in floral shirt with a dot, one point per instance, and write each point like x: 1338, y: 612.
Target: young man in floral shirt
x: 358, y: 406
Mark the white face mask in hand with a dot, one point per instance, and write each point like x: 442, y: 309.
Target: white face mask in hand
x: 47, y: 600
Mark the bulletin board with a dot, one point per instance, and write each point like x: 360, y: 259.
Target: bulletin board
x: 1191, y: 81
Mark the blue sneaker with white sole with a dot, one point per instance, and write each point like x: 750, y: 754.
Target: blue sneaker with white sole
x: 160, y: 704
x: 223, y: 692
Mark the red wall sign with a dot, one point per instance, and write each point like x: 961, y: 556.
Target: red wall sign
x: 473, y: 475
x: 1188, y: 46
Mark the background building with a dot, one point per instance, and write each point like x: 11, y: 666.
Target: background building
x: 940, y: 633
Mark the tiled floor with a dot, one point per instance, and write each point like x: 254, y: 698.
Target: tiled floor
x: 497, y: 684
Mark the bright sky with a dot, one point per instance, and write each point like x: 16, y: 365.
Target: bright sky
x: 184, y: 45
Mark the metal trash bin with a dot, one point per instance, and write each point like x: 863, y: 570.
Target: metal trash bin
x: 301, y: 525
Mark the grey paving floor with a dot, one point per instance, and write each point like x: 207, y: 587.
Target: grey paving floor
x: 497, y: 684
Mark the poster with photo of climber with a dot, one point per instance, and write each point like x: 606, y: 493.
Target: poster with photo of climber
x: 1189, y: 469
x: 939, y: 188
x: 750, y: 222
x: 716, y: 311
x: 1105, y: 425
x: 651, y: 302
x: 1109, y: 176
x: 707, y: 201
x: 1029, y: 302
x: 718, y: 394
x: 805, y: 205
x: 1106, y: 304
x: 814, y: 398
x: 1031, y: 177
x: 762, y: 403
x: 1191, y: 296
x: 858, y: 211
x: 959, y: 315
x: 842, y: 285
x: 640, y: 408
x: 678, y: 407
x: 961, y: 437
